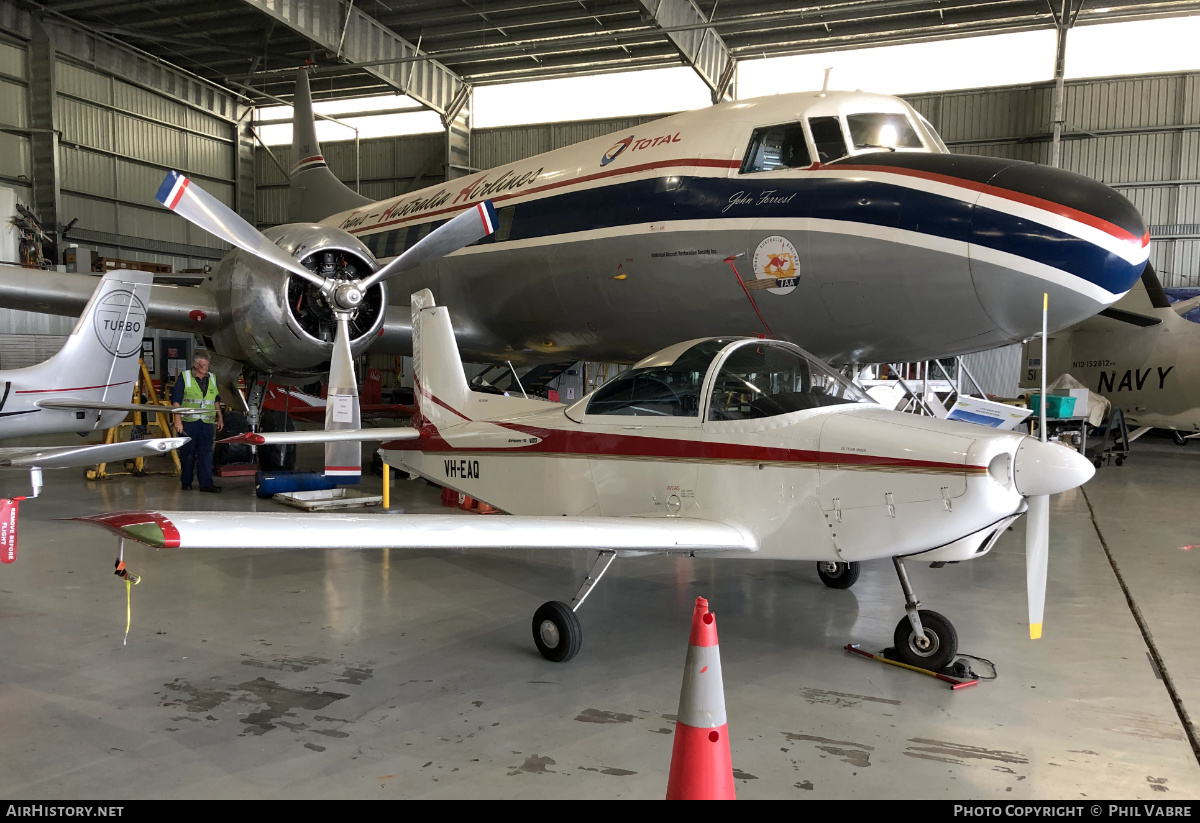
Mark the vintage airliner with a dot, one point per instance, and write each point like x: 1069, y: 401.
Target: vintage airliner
x: 849, y: 227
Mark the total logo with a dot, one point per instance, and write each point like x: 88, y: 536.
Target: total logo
x: 120, y: 319
x: 776, y: 266
x: 633, y: 144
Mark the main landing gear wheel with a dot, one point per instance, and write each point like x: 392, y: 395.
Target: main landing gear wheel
x: 935, y: 651
x: 837, y: 575
x: 556, y: 631
x: 1179, y: 438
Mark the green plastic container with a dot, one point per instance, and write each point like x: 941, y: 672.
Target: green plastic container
x: 1056, y: 406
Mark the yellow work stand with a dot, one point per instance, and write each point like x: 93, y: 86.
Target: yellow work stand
x: 161, y: 424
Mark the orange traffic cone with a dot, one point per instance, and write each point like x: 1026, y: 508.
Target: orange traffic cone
x: 701, y: 767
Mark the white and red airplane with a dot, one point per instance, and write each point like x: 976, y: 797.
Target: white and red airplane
x: 728, y: 447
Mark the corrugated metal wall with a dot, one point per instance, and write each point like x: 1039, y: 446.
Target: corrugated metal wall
x: 118, y: 142
x: 1140, y: 135
x: 28, y: 337
x: 16, y: 165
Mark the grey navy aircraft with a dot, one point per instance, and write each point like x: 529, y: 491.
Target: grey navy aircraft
x: 835, y: 220
x: 1143, y: 354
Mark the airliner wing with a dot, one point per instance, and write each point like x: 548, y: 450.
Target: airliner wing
x: 62, y: 457
x: 280, y: 530
x: 178, y: 308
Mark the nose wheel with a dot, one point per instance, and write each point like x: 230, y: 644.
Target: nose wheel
x: 924, y: 638
x: 933, y: 649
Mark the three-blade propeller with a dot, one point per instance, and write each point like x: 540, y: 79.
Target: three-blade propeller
x: 343, y: 457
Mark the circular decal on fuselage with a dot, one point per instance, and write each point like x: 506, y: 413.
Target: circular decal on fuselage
x: 617, y: 148
x: 120, y: 322
x: 776, y: 260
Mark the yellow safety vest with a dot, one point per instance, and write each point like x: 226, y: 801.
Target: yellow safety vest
x: 193, y: 399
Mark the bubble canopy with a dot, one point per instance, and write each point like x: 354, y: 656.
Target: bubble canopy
x: 721, y: 379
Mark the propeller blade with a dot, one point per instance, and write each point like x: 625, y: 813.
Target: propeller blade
x: 1037, y: 520
x: 1037, y: 558
x: 342, y: 458
x: 194, y: 204
x: 463, y: 230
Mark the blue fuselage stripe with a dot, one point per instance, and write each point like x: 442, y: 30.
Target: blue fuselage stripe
x: 871, y: 202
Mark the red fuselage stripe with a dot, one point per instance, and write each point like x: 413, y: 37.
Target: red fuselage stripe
x: 721, y: 164
x: 73, y: 388
x: 596, y: 444
x: 1006, y: 194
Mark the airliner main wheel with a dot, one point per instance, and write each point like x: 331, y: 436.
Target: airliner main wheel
x: 837, y: 575
x: 939, y: 648
x: 556, y: 631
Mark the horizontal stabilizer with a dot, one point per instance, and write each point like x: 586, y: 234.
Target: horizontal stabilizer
x: 62, y: 457
x: 322, y: 436
x: 150, y: 408
x: 1132, y: 318
x: 280, y: 530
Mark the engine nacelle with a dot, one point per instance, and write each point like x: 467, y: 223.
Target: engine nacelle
x: 281, y: 324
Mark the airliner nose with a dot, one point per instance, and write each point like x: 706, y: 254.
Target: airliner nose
x: 1035, y: 230
x: 1065, y: 220
x: 1048, y: 468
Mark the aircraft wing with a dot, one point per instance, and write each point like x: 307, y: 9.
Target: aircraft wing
x: 61, y: 457
x: 280, y: 530
x: 149, y: 408
x: 178, y: 308
x: 323, y: 436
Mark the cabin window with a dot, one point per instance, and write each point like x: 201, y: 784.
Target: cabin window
x: 878, y: 130
x: 504, y: 221
x: 373, y: 243
x: 416, y: 234
x: 395, y: 242
x: 660, y: 390
x: 776, y: 147
x: 827, y: 137
x: 764, y: 380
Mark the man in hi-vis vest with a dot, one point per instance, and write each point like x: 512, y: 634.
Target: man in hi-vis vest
x: 195, y: 388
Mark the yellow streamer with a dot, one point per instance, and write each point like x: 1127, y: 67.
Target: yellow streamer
x: 128, y: 610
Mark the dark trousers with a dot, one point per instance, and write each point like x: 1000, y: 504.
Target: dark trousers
x: 198, y: 454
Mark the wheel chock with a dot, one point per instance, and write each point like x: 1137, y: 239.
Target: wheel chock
x: 955, y: 682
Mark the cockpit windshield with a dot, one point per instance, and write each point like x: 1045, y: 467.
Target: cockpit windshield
x: 660, y: 390
x: 828, y: 138
x: 764, y: 380
x: 878, y: 130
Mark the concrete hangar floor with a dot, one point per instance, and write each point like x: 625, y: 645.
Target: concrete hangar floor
x: 260, y: 674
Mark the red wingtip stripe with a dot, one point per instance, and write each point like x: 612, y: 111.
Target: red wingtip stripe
x: 178, y: 193
x: 487, y: 224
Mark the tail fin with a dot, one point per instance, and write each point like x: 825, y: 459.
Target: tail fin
x: 106, y: 343
x: 315, y: 191
x: 443, y: 397
x: 439, y: 382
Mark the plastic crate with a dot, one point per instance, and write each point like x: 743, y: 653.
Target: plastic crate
x: 1056, y: 406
